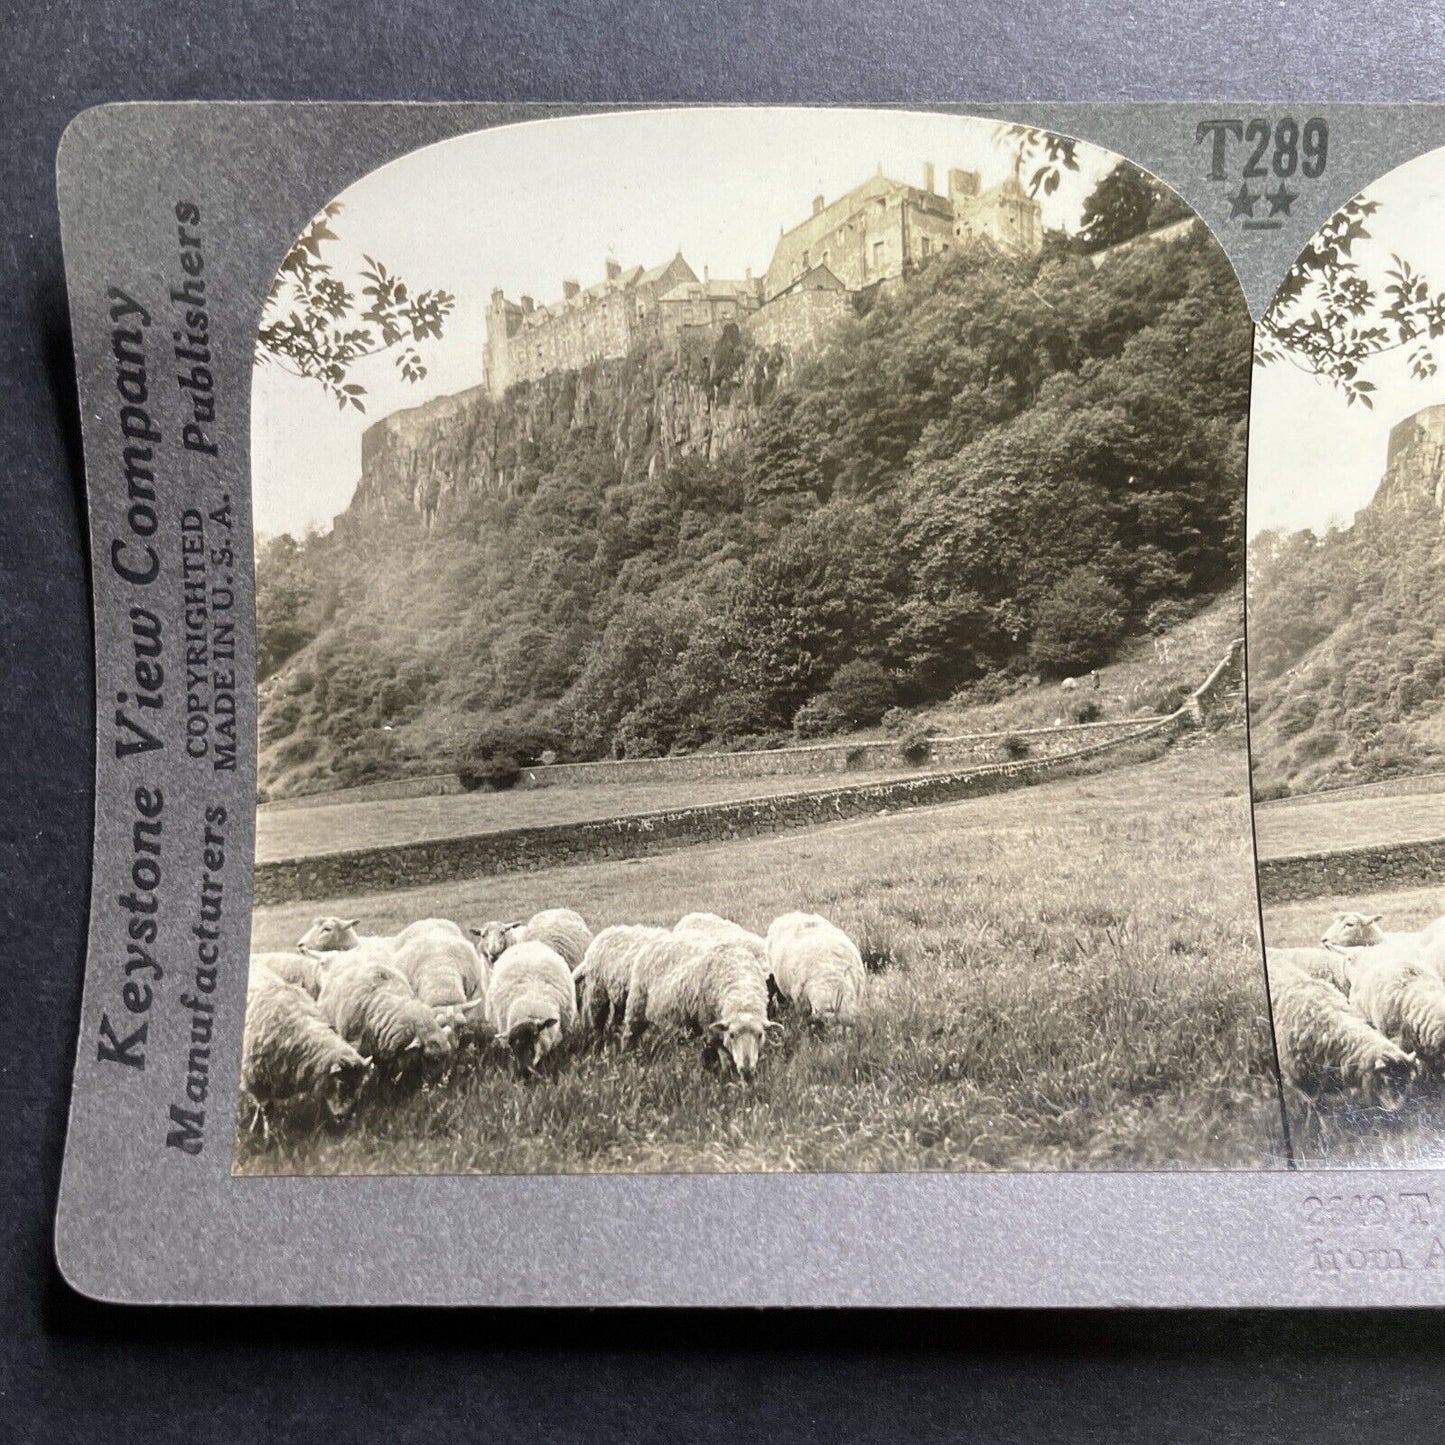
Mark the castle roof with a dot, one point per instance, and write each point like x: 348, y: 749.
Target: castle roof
x: 719, y: 289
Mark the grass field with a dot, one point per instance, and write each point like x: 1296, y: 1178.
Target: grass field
x: 1072, y: 981
x: 337, y: 827
x: 1343, y: 1135
x: 1349, y: 822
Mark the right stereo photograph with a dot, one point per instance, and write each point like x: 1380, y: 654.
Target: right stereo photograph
x: 1346, y: 660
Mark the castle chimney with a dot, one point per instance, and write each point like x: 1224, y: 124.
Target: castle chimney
x: 570, y: 289
x: 962, y: 183
x: 928, y: 177
x: 614, y: 269
x: 749, y: 273
x: 817, y: 205
x: 528, y: 304
x: 704, y: 275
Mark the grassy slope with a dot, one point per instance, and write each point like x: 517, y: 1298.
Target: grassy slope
x: 1356, y: 822
x: 1126, y: 686
x: 336, y: 827
x: 1076, y: 984
x: 1343, y: 1136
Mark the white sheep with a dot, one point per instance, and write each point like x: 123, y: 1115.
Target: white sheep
x: 1070, y: 684
x: 1325, y: 1047
x: 372, y: 1006
x: 1405, y: 1002
x: 1359, y: 930
x: 720, y: 992
x: 331, y: 934
x: 293, y: 1063
x: 561, y: 929
x: 606, y: 971
x: 532, y: 1001
x: 816, y: 967
x: 446, y: 973
x: 716, y: 926
x: 300, y: 969
x: 1330, y: 964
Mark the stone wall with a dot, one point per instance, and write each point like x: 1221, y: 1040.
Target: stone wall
x: 798, y: 321
x: 372, y: 870
x: 1385, y: 788
x: 1347, y: 871
x: 433, y: 785
x: 974, y: 749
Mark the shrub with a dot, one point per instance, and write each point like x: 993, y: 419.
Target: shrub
x: 896, y: 721
x: 1015, y: 747
x: 915, y: 746
x: 818, y: 717
x: 862, y: 692
x: 1087, y: 711
x: 1169, y: 698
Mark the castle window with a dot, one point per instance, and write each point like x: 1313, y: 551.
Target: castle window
x: 924, y: 246
x: 878, y: 255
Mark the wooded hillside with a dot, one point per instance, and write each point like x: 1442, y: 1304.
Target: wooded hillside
x: 997, y: 468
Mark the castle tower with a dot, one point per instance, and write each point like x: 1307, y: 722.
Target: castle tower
x: 504, y: 319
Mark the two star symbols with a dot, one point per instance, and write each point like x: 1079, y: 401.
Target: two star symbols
x: 1244, y: 200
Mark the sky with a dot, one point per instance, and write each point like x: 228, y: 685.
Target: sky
x: 1313, y: 460
x: 523, y: 207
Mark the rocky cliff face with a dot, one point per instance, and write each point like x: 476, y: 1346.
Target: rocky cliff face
x: 431, y: 459
x: 1414, y: 465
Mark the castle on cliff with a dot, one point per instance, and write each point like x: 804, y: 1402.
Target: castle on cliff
x: 877, y: 232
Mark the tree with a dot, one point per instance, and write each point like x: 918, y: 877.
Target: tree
x: 1119, y: 207
x: 314, y: 325
x: 1077, y: 624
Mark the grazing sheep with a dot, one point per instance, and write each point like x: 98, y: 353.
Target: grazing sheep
x: 716, y: 926
x: 1325, y: 1047
x: 720, y: 993
x: 293, y: 1063
x: 372, y: 1006
x: 561, y: 929
x: 446, y: 973
x: 532, y: 1001
x: 606, y: 971
x: 816, y: 967
x: 1070, y: 684
x: 300, y: 969
x: 1330, y: 964
x: 1405, y: 1002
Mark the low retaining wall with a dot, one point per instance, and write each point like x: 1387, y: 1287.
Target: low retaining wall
x: 1385, y: 788
x: 1347, y: 871
x: 374, y: 870
x: 433, y: 785
x: 973, y: 749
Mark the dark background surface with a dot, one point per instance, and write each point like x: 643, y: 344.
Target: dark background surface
x: 69, y: 1369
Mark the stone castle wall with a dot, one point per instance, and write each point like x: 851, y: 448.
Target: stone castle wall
x: 798, y: 321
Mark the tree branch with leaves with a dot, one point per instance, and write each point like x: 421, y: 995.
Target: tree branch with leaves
x: 318, y: 327
x: 1329, y: 319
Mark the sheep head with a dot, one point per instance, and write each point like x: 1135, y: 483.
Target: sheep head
x: 1354, y: 930
x: 741, y: 1038
x: 330, y: 933
x: 530, y: 1040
